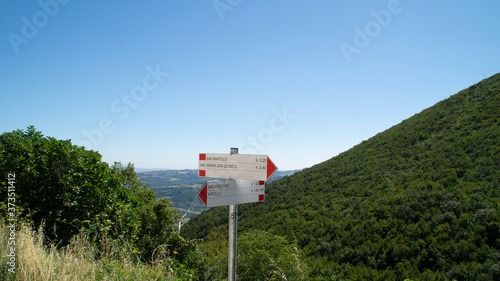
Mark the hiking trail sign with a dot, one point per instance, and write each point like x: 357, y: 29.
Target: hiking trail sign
x: 236, y: 166
x: 230, y: 192
x: 246, y: 174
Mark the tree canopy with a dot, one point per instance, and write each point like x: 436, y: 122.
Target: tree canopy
x: 69, y: 189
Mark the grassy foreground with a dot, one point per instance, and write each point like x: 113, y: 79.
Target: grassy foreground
x: 36, y: 260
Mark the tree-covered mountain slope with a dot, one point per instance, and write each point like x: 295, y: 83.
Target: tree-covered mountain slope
x: 420, y: 200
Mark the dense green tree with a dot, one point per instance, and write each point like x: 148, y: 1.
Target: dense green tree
x: 69, y: 189
x: 60, y: 185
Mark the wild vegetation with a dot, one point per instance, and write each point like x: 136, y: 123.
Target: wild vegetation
x: 67, y: 215
x: 67, y: 192
x: 420, y: 200
x: 39, y: 260
x: 69, y: 189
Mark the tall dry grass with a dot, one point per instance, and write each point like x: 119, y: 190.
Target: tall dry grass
x: 37, y: 260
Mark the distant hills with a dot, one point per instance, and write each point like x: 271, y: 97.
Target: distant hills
x: 420, y: 200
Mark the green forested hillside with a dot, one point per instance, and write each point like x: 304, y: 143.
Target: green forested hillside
x: 420, y: 200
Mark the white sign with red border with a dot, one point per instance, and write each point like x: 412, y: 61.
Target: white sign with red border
x: 230, y: 192
x: 236, y: 166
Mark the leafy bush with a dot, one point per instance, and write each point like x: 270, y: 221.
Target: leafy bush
x: 263, y: 256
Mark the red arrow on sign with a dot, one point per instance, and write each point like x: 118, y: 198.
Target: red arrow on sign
x: 271, y: 168
x: 203, y: 194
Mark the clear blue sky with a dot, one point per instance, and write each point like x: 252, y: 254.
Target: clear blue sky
x: 157, y: 82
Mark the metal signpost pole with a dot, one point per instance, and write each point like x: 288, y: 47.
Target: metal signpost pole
x: 232, y: 251
x: 246, y: 174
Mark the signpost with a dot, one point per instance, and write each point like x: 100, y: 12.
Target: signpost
x: 246, y: 174
x: 236, y: 166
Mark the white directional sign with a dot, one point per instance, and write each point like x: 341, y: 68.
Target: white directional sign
x: 230, y: 192
x: 236, y: 166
